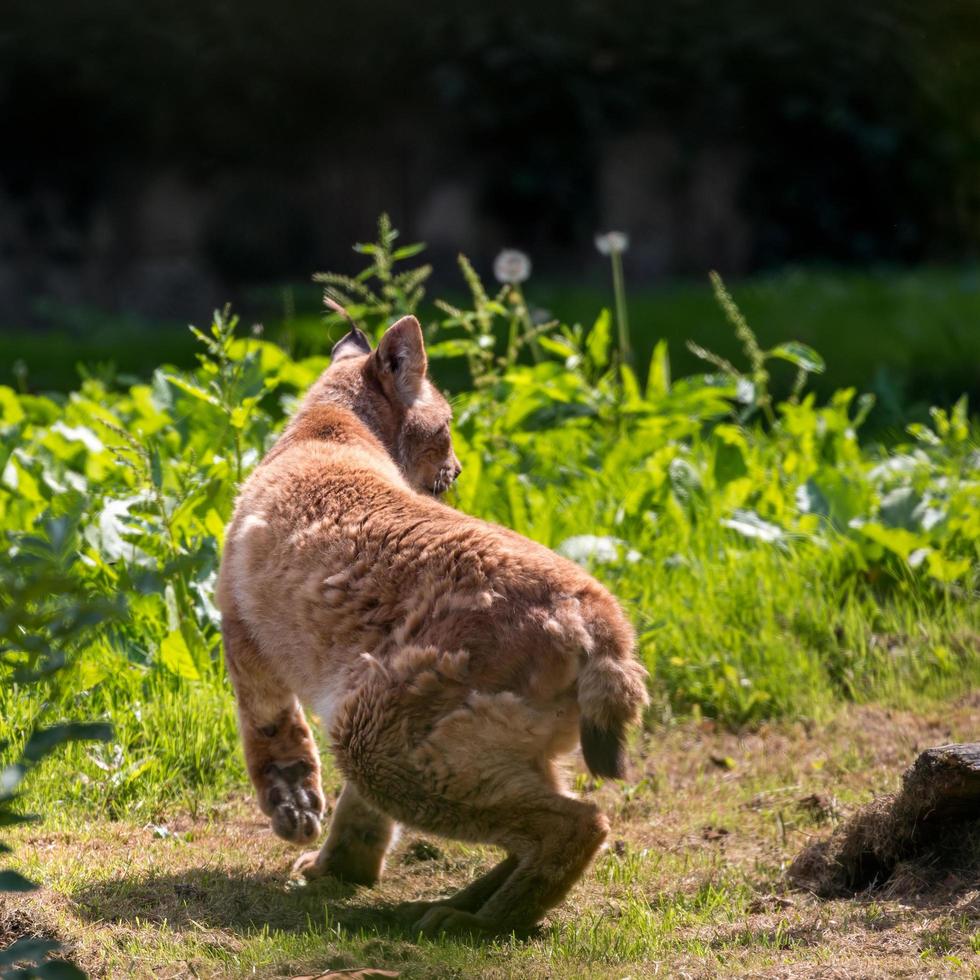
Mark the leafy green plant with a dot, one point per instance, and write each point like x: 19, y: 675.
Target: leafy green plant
x: 49, y: 611
x: 378, y: 292
x: 752, y: 387
x: 772, y: 563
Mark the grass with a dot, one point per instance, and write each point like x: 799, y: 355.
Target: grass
x: 692, y: 883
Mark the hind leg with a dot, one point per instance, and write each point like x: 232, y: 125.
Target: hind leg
x: 468, y: 899
x: 357, y: 843
x: 280, y: 753
x: 421, y: 745
x: 552, y: 843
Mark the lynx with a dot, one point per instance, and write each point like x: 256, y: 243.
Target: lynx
x: 450, y: 661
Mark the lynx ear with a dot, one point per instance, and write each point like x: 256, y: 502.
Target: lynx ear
x: 401, y: 359
x: 353, y: 344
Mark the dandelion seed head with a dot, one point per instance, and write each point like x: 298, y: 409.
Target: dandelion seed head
x: 511, y: 266
x: 612, y: 241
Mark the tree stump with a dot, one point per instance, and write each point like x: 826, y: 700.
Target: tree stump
x: 938, y: 806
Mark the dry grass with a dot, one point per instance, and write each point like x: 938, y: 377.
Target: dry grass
x: 693, y: 883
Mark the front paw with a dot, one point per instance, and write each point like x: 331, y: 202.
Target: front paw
x: 306, y: 867
x: 293, y: 801
x: 348, y: 867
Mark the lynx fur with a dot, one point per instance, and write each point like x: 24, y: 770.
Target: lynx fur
x: 450, y: 661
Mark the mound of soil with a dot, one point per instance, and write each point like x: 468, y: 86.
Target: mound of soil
x: 925, y: 835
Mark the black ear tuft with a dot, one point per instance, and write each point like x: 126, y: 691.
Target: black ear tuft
x: 353, y: 344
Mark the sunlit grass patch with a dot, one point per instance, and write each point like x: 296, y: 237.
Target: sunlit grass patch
x: 692, y: 880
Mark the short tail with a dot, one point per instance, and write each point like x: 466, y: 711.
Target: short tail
x: 611, y: 694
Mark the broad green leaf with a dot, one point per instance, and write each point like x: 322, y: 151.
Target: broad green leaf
x: 161, y: 398
x: 407, y: 251
x: 192, y: 389
x: 898, y: 507
x: 556, y: 345
x: 176, y: 658
x: 79, y: 433
x: 801, y: 355
x: 215, y: 524
x: 301, y: 374
x: 19, y: 479
x: 10, y: 409
x: 597, y: 344
x: 947, y: 569
x: 269, y: 358
x: 658, y: 375
x: 631, y: 388
x: 897, y: 540
x: 729, y: 462
x: 833, y: 495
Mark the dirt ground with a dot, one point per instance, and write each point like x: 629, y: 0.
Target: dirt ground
x: 693, y: 883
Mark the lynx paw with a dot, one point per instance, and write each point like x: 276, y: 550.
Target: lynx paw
x: 442, y: 919
x: 412, y: 912
x: 293, y: 801
x: 313, y: 865
x: 305, y: 866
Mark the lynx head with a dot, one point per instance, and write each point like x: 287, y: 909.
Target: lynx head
x: 390, y: 392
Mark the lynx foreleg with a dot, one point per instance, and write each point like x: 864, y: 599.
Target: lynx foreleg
x: 280, y: 753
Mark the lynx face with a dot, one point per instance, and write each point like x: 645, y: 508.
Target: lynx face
x: 426, y: 453
x: 389, y: 391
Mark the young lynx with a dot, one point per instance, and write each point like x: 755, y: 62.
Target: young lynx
x: 450, y: 661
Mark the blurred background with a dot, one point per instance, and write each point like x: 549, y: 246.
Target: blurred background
x: 162, y: 158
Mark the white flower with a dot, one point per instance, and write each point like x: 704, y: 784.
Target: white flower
x: 612, y: 241
x: 511, y: 266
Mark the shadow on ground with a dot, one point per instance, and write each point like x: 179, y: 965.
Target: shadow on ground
x: 238, y: 902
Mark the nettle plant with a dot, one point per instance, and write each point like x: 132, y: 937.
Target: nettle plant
x: 717, y: 446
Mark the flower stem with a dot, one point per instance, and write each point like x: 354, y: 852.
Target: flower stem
x: 622, y: 319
